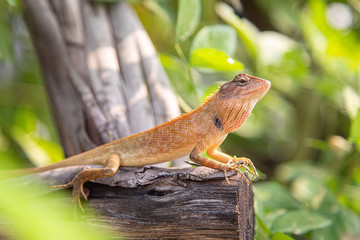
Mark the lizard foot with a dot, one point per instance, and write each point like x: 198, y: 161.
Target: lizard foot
x: 110, y: 167
x: 244, y: 163
x: 78, y: 190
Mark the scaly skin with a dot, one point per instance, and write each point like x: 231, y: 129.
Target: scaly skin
x: 200, y: 130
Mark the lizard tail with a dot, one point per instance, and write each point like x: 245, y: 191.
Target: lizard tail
x: 76, y: 160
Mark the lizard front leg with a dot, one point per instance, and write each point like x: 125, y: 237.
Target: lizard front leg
x: 242, y: 162
x: 222, y: 162
x: 111, y: 165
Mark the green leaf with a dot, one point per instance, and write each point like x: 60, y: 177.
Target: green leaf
x: 350, y: 220
x: 12, y: 3
x: 247, y: 32
x: 355, y: 130
x: 29, y: 214
x: 219, y: 36
x: 299, y: 222
x: 214, y: 59
x: 281, y: 236
x: 261, y: 229
x: 332, y: 49
x: 188, y: 18
x: 351, y: 101
x: 176, y: 70
x: 328, y: 233
x: 274, y: 196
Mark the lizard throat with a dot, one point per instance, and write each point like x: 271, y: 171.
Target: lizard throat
x: 235, y: 114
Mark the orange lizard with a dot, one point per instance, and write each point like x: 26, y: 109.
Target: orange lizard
x: 193, y: 133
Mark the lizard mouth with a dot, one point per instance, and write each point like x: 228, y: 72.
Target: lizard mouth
x: 260, y: 88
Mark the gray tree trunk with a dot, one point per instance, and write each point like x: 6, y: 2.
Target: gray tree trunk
x: 100, y: 69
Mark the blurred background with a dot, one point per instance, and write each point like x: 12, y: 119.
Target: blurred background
x: 304, y: 136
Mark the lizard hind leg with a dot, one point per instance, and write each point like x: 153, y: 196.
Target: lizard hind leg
x: 111, y: 165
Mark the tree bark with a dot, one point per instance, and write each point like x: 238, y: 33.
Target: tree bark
x: 101, y: 71
x: 187, y: 203
x: 163, y: 203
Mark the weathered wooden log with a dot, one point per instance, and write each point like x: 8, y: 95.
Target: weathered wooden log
x: 162, y: 203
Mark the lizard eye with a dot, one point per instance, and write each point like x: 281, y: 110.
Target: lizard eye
x: 242, y: 82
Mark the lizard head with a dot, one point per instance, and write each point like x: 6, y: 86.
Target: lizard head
x: 236, y: 99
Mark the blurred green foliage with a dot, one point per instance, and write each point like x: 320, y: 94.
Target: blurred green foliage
x: 304, y: 136
x: 32, y: 215
x: 26, y: 126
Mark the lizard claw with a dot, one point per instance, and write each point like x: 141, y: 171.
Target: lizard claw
x: 78, y: 191
x: 244, y: 163
x: 226, y: 177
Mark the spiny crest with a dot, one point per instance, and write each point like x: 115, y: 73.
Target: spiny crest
x: 206, y: 100
x: 208, y: 97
